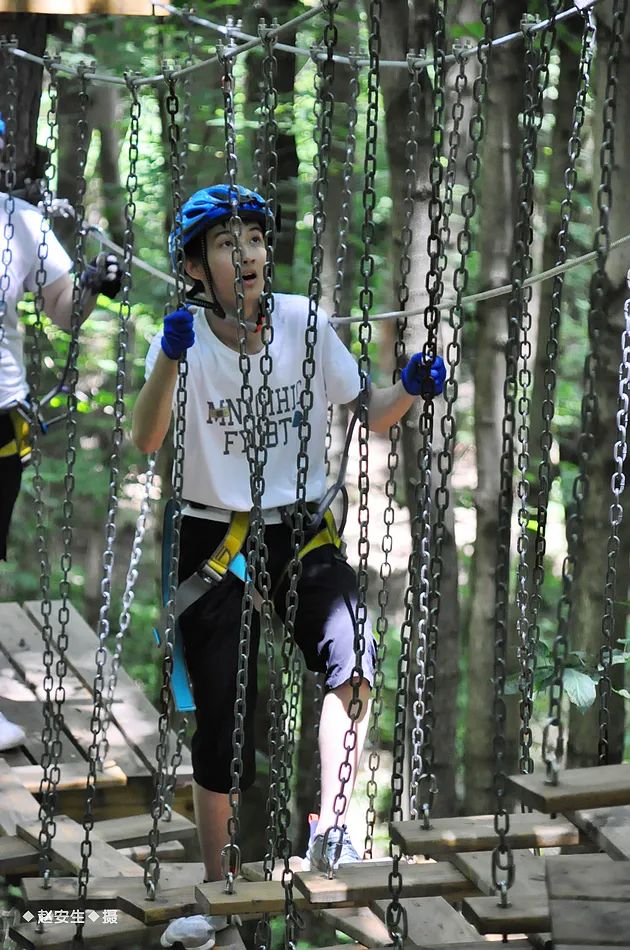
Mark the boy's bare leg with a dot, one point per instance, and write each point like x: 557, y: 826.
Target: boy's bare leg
x: 212, y: 810
x: 334, y: 724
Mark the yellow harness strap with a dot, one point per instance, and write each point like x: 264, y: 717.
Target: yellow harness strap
x: 327, y: 534
x: 231, y: 544
x: 19, y: 445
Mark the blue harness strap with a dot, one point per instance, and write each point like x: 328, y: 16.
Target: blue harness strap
x: 180, y: 684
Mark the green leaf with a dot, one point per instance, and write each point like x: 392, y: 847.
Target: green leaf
x: 580, y: 689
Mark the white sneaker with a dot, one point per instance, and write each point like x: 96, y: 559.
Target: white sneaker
x: 193, y: 933
x: 11, y: 735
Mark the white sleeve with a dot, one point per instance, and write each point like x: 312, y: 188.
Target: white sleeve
x: 341, y: 371
x: 29, y: 236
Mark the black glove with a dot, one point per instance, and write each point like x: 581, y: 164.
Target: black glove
x: 103, y: 275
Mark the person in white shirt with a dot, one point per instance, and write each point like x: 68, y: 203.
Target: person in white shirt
x: 216, y: 485
x: 21, y: 236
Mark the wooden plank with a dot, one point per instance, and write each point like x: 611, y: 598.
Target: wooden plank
x: 20, y: 704
x: 17, y: 856
x: 16, y: 804
x: 125, y: 932
x: 105, y: 861
x: 591, y: 922
x: 588, y: 877
x: 134, y: 829
x: 21, y: 640
x: 430, y: 920
x: 132, y: 712
x: 83, y: 7
x: 250, y: 897
x: 166, y: 851
x: 229, y: 939
x: 360, y: 923
x: 361, y: 883
x: 524, y: 915
x: 72, y: 775
x: 608, y: 827
x: 169, y: 902
x: 529, y: 873
x: 597, y: 787
x: 477, y: 833
x: 102, y: 892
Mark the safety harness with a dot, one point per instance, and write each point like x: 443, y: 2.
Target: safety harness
x: 20, y: 443
x: 228, y: 557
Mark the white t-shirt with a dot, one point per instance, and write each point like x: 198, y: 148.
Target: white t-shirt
x: 27, y: 236
x: 216, y: 470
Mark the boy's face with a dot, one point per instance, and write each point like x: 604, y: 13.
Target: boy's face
x: 220, y: 244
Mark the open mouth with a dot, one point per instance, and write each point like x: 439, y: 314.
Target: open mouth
x: 249, y: 278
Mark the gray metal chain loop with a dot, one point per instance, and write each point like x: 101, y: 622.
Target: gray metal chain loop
x: 423, y: 754
x: 103, y: 626
x: 552, y: 751
x: 48, y: 765
x: 382, y: 623
x: 124, y: 619
x: 516, y: 384
x: 615, y: 514
x: 8, y: 233
x: 552, y: 350
x: 162, y: 782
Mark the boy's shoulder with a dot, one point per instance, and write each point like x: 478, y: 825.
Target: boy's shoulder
x: 295, y: 306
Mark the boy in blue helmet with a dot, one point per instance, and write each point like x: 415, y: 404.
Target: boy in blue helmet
x: 216, y: 488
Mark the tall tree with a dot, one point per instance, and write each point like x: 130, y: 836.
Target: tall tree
x: 497, y: 218
x: 605, y: 325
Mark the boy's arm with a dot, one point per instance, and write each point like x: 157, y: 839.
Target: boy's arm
x: 387, y: 406
x: 154, y: 405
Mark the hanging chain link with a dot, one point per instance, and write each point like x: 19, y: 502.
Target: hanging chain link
x: 162, y: 782
x: 124, y: 619
x: 48, y: 766
x: 553, y: 751
x: 549, y: 381
x: 112, y: 502
x: 382, y: 623
x: 515, y: 392
x: 423, y: 785
x: 10, y: 173
x: 602, y: 246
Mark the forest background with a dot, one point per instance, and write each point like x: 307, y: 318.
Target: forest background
x: 463, y: 716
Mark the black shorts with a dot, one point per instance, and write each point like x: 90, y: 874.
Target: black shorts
x: 324, y: 630
x: 10, y: 480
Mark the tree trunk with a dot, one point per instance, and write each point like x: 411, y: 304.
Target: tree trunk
x: 498, y: 188
x: 31, y: 32
x: 589, y: 585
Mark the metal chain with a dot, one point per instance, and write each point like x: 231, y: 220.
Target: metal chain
x: 517, y: 349
x: 10, y: 64
x: 161, y: 780
x: 549, y: 381
x: 112, y: 501
x: 602, y: 246
x: 50, y: 777
x: 553, y: 751
x: 324, y: 74
x: 47, y: 786
x: 617, y: 484
x: 184, y: 132
x: 423, y: 754
x: 382, y: 622
x: 124, y: 619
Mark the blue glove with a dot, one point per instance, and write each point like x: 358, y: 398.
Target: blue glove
x: 179, y: 334
x: 419, y: 380
x: 103, y: 275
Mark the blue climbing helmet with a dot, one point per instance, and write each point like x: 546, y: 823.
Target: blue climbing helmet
x: 209, y: 206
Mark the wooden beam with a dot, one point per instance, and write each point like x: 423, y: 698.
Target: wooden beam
x: 524, y: 915
x: 529, y: 875
x: 430, y: 920
x: 590, y: 923
x: 134, y: 829
x: 593, y: 877
x: 477, y: 833
x: 83, y: 7
x: 360, y: 923
x: 16, y: 804
x: 596, y: 787
x: 608, y: 827
x: 105, y: 861
x: 249, y: 897
x: 126, y: 932
x: 362, y: 882
x: 17, y: 856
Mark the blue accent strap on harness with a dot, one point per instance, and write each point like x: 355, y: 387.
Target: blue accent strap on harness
x: 180, y: 684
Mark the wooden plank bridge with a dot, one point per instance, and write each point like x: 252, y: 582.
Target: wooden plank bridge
x: 580, y: 898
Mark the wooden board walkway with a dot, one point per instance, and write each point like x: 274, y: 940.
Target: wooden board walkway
x: 609, y: 828
x: 597, y: 787
x: 477, y: 833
